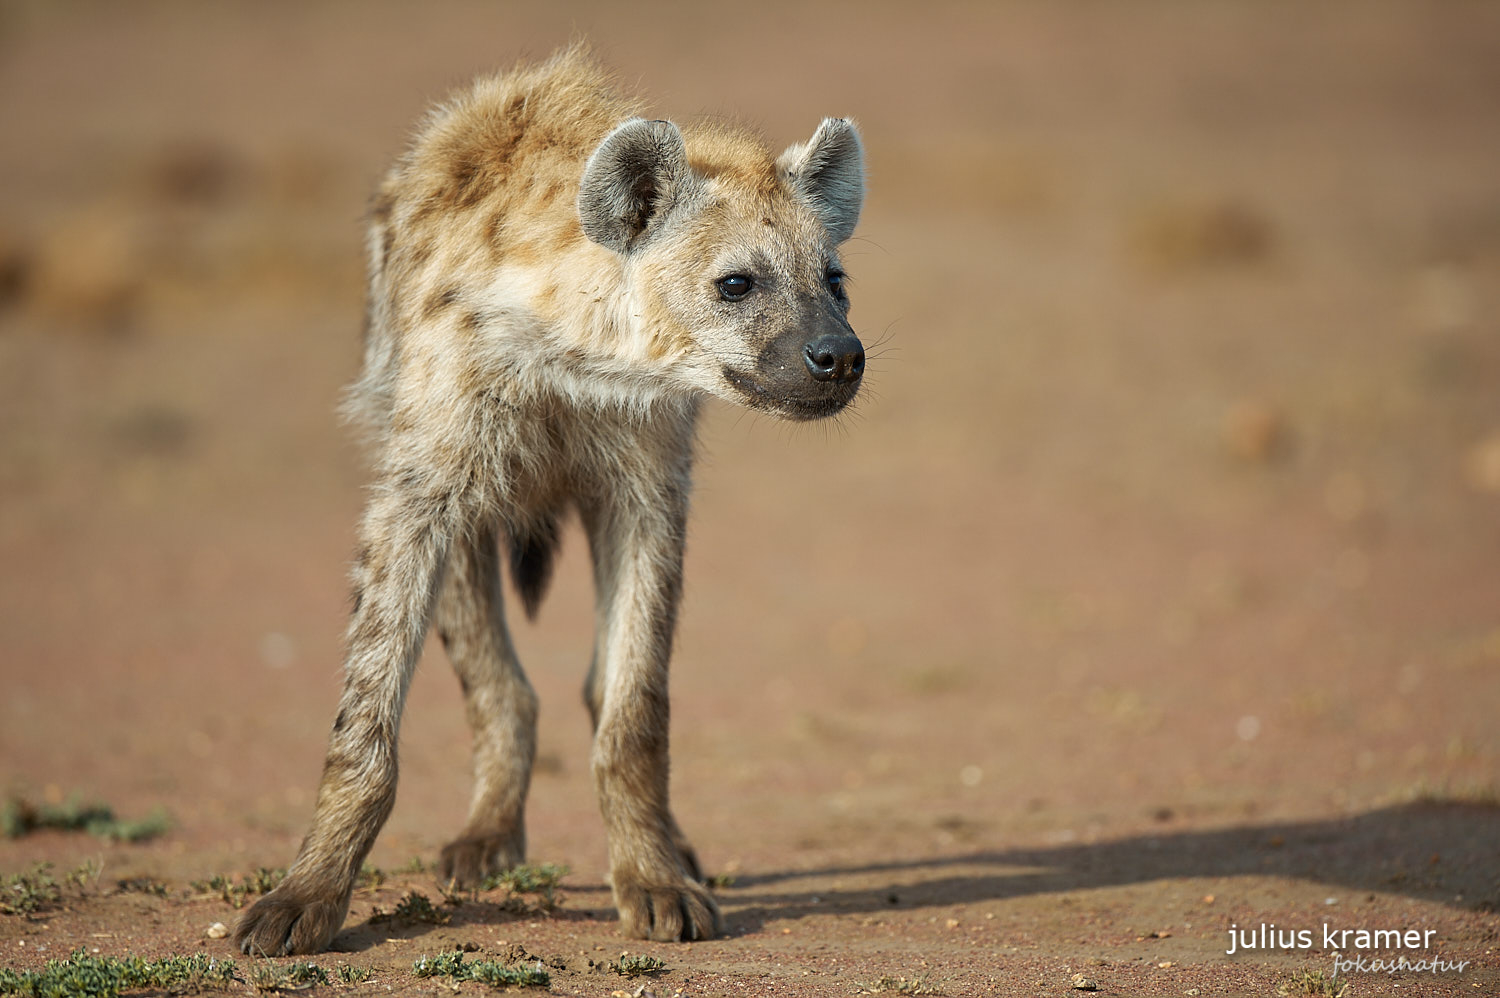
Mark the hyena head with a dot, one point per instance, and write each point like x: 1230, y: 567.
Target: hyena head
x: 730, y: 258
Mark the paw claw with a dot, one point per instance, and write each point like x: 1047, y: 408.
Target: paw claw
x: 667, y: 913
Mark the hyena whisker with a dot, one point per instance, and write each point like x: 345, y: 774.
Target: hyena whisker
x: 867, y: 241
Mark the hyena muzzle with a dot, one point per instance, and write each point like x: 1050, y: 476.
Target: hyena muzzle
x: 555, y: 285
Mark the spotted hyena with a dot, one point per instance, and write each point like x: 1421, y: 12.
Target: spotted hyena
x: 555, y: 284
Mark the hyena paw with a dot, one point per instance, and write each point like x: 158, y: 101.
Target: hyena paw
x: 467, y: 861
x: 666, y: 912
x: 287, y: 921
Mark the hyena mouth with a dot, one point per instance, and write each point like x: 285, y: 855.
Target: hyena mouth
x: 818, y: 402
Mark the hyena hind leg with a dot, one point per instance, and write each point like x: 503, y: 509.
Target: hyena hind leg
x: 501, y: 707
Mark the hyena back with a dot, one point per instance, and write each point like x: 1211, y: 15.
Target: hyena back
x: 555, y: 284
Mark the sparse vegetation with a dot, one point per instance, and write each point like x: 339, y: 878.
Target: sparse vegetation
x: 719, y: 880
x: 296, y: 976
x: 637, y: 964
x: 450, y: 964
x: 84, y: 976
x: 141, y: 885
x: 262, y: 881
x: 491, y: 972
x: 30, y: 892
x: 415, y: 907
x: 901, y: 985
x: 540, y: 879
x: 1478, y: 793
x: 1316, y: 983
x: 20, y: 817
x: 498, y: 975
x: 85, y: 874
x: 348, y: 973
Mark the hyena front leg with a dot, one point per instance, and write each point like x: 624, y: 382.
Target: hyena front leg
x: 501, y: 707
x: 593, y: 699
x: 405, y: 539
x: 638, y: 572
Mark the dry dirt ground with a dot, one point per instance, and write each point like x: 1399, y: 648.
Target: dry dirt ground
x: 1154, y: 588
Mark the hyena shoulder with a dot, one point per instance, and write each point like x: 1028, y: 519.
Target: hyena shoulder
x: 487, y: 191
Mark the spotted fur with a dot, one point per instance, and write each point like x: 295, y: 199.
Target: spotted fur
x: 545, y: 315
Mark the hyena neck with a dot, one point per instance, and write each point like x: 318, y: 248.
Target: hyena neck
x: 585, y: 343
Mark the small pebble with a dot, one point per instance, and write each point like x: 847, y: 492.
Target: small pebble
x: 218, y: 930
x: 1082, y: 983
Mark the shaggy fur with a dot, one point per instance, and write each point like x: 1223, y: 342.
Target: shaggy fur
x: 549, y: 300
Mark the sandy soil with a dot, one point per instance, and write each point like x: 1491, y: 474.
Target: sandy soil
x: 1151, y: 591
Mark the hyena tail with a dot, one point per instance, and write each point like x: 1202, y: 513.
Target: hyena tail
x: 533, y: 547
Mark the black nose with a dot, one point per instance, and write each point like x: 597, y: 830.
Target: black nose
x: 835, y: 357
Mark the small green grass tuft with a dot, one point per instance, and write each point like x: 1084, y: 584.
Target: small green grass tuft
x: 540, y: 879
x: 635, y: 965
x: 901, y: 986
x: 84, y: 976
x: 297, y: 976
x: 719, y: 880
x: 143, y: 885
x: 497, y: 975
x: 450, y: 964
x: 19, y: 818
x: 1316, y: 983
x: 348, y: 973
x: 491, y: 972
x: 415, y: 907
x: 262, y: 881
x: 85, y: 874
x: 30, y: 892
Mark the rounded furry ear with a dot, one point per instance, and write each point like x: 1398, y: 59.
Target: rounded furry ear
x: 828, y: 171
x: 632, y: 180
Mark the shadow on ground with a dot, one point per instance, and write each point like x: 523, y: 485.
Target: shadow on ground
x: 1444, y: 852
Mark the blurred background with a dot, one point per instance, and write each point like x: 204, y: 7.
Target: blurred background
x: 1172, y: 504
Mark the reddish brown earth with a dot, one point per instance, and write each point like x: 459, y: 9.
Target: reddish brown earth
x: 1153, y: 589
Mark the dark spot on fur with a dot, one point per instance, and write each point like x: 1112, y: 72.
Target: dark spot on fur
x: 340, y: 721
x: 387, y: 243
x: 444, y: 638
x: 381, y: 206
x: 472, y: 321
x: 469, y: 182
x: 425, y: 209
x: 438, y: 301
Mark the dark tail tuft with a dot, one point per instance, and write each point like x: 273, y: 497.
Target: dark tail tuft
x: 532, y: 551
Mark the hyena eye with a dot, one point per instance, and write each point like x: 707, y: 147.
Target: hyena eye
x: 734, y: 287
x: 835, y: 281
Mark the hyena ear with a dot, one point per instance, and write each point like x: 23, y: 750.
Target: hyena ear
x: 631, y: 181
x: 828, y: 171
